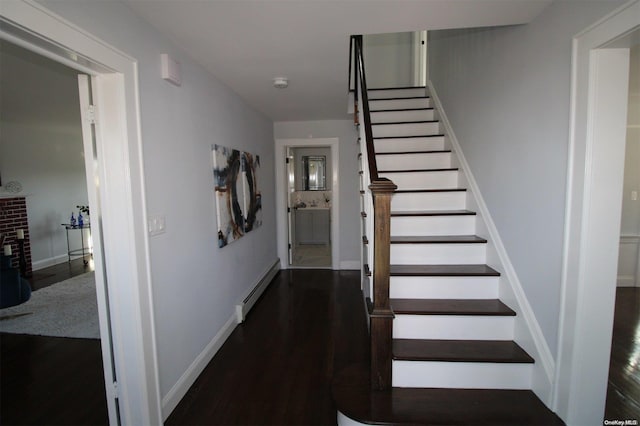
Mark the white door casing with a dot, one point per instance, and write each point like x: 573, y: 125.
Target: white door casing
x: 281, y: 146
x: 122, y: 197
x: 592, y: 219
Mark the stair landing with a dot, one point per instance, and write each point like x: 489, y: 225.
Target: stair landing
x: 430, y: 406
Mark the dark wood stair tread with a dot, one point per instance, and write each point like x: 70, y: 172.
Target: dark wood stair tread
x: 438, y: 239
x: 483, y: 307
x: 401, y: 109
x: 408, y: 137
x: 405, y: 122
x: 436, y: 406
x: 448, y: 169
x: 443, y: 271
x: 433, y: 213
x: 372, y: 89
x: 413, y: 191
x: 437, y: 151
x: 398, y: 98
x: 494, y: 351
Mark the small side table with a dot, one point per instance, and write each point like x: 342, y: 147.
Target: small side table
x: 86, y: 250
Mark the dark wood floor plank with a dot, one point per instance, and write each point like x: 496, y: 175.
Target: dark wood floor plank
x: 51, y: 381
x: 623, y: 392
x: 276, y: 368
x: 459, y: 351
x: 407, y: 406
x: 54, y: 274
x: 48, y: 380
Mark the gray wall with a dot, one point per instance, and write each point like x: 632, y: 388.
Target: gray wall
x: 506, y: 92
x: 388, y: 60
x: 195, y: 284
x: 41, y: 147
x: 345, y: 131
x: 630, y: 224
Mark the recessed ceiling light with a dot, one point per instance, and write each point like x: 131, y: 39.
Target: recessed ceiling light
x: 280, y: 82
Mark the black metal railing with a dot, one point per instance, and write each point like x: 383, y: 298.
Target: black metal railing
x: 357, y: 72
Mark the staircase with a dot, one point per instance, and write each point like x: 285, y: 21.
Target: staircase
x: 454, y: 360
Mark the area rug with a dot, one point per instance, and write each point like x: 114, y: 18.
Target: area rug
x: 66, y: 309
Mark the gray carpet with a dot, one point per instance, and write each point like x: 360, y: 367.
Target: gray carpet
x: 66, y: 309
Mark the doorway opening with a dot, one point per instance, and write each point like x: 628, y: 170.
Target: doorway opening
x: 623, y: 388
x: 287, y: 197
x: 600, y: 74
x: 127, y: 335
x: 42, y: 151
x: 309, y: 199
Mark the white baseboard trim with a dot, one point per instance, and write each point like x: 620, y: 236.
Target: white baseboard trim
x: 255, y: 291
x: 350, y: 265
x: 626, y: 281
x: 629, y: 261
x: 535, y: 342
x: 176, y: 393
x: 51, y: 261
x: 180, y: 388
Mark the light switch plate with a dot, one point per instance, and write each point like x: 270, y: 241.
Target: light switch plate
x: 156, y: 225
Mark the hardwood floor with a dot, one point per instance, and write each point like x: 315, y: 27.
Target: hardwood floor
x: 51, y: 381
x: 623, y: 393
x: 54, y: 274
x: 277, y: 367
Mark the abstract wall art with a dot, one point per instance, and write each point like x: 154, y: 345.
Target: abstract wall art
x: 238, y: 197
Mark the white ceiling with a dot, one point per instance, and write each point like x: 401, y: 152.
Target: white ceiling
x: 246, y: 43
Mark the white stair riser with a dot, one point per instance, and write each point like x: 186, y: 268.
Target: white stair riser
x: 424, y: 180
x: 443, y: 287
x: 402, y: 115
x: 400, y: 103
x: 409, y: 144
x: 465, y: 375
x: 406, y: 129
x: 463, y: 327
x: 396, y: 93
x: 433, y: 225
x: 438, y: 254
x: 439, y: 160
x: 416, y: 201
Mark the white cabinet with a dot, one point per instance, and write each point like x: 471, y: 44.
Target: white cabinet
x: 312, y: 226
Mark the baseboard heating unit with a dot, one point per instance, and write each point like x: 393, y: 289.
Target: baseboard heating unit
x: 254, y: 294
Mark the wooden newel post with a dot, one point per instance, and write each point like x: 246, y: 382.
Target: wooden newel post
x: 382, y: 314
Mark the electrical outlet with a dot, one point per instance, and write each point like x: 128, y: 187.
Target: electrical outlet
x: 156, y: 225
x: 634, y: 195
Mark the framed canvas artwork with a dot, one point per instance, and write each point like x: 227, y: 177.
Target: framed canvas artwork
x: 238, y: 197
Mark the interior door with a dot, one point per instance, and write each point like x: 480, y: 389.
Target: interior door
x: 86, y: 86
x: 291, y: 182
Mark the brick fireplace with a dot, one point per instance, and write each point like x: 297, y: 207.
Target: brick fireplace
x: 13, y: 216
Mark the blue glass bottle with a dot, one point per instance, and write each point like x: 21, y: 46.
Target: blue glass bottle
x: 72, y: 221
